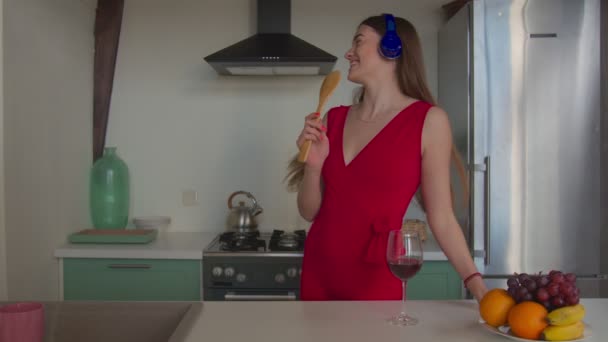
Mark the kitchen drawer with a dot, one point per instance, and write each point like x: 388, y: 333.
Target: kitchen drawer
x: 131, y: 279
x: 436, y: 280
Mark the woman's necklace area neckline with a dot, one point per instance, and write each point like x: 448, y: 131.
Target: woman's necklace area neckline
x: 379, y: 118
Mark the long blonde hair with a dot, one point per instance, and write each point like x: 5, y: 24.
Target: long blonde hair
x: 412, y: 83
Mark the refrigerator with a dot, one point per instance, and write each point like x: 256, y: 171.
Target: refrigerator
x: 520, y: 81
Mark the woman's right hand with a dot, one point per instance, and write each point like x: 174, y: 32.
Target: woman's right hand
x: 314, y: 130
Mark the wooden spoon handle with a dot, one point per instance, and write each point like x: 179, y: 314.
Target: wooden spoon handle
x: 306, y: 146
x: 304, y: 151
x: 329, y: 85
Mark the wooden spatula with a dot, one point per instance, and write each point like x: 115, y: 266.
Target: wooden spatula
x: 330, y: 83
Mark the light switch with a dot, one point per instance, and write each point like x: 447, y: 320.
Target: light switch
x: 189, y: 198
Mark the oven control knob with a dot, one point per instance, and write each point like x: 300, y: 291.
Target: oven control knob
x: 229, y: 272
x: 292, y: 272
x: 279, y: 278
x: 241, y: 277
x: 217, y: 271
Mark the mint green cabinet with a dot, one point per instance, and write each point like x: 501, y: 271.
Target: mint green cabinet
x: 436, y: 280
x: 131, y: 279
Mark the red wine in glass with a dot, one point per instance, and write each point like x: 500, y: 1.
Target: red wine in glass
x: 404, y: 258
x: 405, y: 268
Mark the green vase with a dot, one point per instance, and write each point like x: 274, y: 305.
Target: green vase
x: 109, y: 191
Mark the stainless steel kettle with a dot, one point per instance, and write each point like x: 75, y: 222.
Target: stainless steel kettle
x: 242, y: 217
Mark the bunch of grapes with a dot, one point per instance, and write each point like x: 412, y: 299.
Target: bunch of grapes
x: 553, y: 290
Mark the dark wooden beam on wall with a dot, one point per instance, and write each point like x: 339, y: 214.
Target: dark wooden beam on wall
x: 108, y: 20
x: 453, y: 7
x: 604, y: 143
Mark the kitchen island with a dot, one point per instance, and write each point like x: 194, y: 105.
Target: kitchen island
x: 356, y: 321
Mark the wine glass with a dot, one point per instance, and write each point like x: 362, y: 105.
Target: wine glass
x: 404, y: 257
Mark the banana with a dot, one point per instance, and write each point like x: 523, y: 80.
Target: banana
x: 564, y: 332
x: 566, y: 315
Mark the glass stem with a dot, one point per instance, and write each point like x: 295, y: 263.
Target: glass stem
x: 404, y: 286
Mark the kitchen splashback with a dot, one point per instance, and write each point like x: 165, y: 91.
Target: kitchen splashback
x: 180, y: 126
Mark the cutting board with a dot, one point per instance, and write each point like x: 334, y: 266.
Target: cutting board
x: 114, y: 236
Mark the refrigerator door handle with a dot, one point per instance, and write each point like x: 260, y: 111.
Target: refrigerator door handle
x: 486, y: 201
x: 479, y: 253
x: 485, y: 168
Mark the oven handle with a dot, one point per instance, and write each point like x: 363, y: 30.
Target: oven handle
x: 247, y: 297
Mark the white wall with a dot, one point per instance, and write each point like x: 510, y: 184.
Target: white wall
x: 2, y: 230
x: 178, y: 125
x: 48, y: 73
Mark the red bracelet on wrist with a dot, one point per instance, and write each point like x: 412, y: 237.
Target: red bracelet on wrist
x: 466, y: 281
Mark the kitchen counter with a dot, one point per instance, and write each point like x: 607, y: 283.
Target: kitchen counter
x: 356, y: 321
x: 174, y: 245
x: 432, y: 251
x: 179, y: 245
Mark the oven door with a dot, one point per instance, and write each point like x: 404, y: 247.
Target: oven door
x: 251, y: 295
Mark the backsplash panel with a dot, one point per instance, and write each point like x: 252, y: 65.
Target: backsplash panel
x: 180, y: 126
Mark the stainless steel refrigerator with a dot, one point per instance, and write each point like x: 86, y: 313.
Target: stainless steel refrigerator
x: 520, y: 81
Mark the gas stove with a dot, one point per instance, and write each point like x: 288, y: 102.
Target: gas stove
x: 277, y: 242
x: 254, y: 266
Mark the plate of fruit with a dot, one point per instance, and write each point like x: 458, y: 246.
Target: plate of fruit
x: 536, y: 307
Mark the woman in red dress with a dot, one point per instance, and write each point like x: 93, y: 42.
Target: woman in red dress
x: 366, y: 163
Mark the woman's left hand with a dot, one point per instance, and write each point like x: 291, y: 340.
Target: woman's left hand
x: 478, y: 288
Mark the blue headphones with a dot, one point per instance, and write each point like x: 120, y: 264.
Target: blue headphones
x: 390, y: 45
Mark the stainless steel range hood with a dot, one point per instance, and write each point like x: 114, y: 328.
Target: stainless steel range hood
x: 273, y: 50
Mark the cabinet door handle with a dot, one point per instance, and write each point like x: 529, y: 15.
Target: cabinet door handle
x: 129, y: 266
x: 259, y: 297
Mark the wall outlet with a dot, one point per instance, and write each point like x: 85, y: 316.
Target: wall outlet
x: 189, y: 198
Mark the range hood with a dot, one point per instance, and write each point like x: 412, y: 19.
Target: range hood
x: 273, y: 50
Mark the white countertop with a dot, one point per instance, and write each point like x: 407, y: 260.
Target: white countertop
x: 356, y: 321
x: 174, y: 245
x: 431, y: 250
x: 178, y: 245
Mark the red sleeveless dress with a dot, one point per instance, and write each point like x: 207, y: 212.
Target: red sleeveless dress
x: 345, y: 251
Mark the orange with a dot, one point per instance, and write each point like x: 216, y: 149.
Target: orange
x: 528, y: 320
x: 494, y: 307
